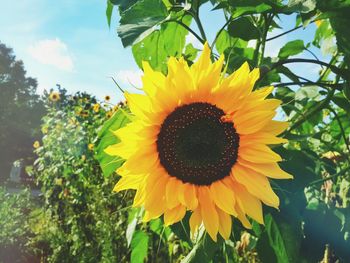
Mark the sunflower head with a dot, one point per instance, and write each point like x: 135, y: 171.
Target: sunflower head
x: 96, y: 107
x: 90, y: 146
x: 36, y: 144
x: 199, y: 144
x: 44, y: 129
x: 54, y: 96
x: 109, y: 114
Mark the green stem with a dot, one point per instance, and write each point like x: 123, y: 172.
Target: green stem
x: 219, y: 32
x: 187, y: 28
x: 337, y: 86
x: 333, y: 68
x: 200, y: 26
x: 267, y: 22
x: 329, y: 177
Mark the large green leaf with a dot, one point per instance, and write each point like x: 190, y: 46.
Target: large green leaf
x: 106, y: 138
x: 275, y: 240
x: 158, y: 46
x: 225, y: 41
x: 139, y: 247
x: 243, y: 28
x: 140, y: 20
x: 291, y: 48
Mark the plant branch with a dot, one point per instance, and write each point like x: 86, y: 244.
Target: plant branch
x: 219, y: 32
x: 333, y: 68
x: 309, y: 114
x: 187, y: 28
x: 287, y: 32
x: 199, y: 24
x: 337, y: 86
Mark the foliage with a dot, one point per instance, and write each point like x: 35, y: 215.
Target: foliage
x: 15, y: 230
x: 313, y: 220
x: 20, y: 111
x: 81, y: 222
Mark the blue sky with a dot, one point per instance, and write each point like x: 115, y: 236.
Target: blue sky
x: 69, y: 42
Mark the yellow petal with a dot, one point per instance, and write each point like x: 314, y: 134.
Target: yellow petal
x: 128, y: 182
x: 140, y: 196
x: 256, y: 184
x: 275, y: 127
x: 121, y: 149
x: 174, y: 215
x: 153, y: 81
x: 155, y: 199
x: 190, y: 196
x: 223, y: 197
x: 258, y: 153
x: 251, y: 205
x: 225, y: 224
x: 271, y: 170
x: 139, y: 104
x: 247, y: 123
x: 208, y: 212
x: 171, y: 193
x: 195, y: 220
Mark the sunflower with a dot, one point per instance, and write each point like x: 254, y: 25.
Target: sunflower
x: 109, y: 114
x: 36, y: 144
x: 96, y: 107
x: 198, y: 144
x: 90, y: 146
x: 54, y: 96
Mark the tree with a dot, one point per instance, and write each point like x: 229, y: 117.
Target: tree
x: 21, y: 110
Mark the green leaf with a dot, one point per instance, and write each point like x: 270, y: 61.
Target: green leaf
x: 109, y: 11
x: 158, y: 46
x: 225, y: 41
x: 123, y: 4
x: 204, y: 250
x: 132, y: 222
x: 302, y: 5
x: 243, y: 28
x: 291, y: 48
x: 106, y: 138
x: 275, y: 239
x: 139, y: 247
x: 140, y: 20
x: 190, y: 52
x: 342, y: 102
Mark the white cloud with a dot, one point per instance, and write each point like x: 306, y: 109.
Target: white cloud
x: 130, y: 77
x: 52, y: 52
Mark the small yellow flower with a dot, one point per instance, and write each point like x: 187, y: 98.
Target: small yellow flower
x: 96, y: 107
x: 54, y: 96
x: 109, y: 114
x: 58, y: 181
x: 90, y: 146
x: 107, y: 98
x: 83, y: 157
x: 318, y: 23
x: 36, y: 144
x: 44, y: 130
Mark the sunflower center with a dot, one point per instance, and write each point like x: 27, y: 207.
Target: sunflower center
x: 196, y: 146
